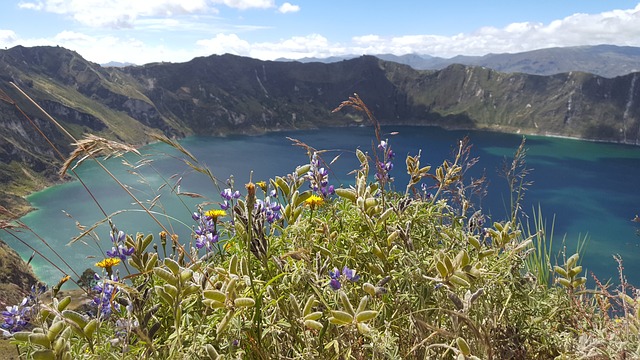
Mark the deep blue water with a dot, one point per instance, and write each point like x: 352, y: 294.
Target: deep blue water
x: 590, y: 188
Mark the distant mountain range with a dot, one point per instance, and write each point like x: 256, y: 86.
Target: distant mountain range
x: 603, y: 60
x: 116, y: 64
x: 219, y: 95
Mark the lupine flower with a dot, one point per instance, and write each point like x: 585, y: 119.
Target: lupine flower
x: 319, y: 178
x: 16, y: 317
x: 385, y: 165
x: 336, y: 276
x: 228, y: 194
x: 270, y: 208
x: 206, y: 233
x: 350, y: 274
x: 119, y: 249
x: 105, y: 293
x: 335, y: 279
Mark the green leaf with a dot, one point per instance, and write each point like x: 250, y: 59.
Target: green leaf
x: 341, y: 317
x: 366, y: 315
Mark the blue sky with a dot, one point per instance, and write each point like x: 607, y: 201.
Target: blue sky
x: 140, y: 31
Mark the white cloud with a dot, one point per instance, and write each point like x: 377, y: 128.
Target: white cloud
x: 125, y: 13
x: 222, y: 44
x: 619, y: 27
x: 288, y: 8
x: 247, y: 4
x: 7, y: 38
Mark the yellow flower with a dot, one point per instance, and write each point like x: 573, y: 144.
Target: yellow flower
x: 262, y: 185
x: 314, y: 201
x: 215, y: 214
x: 108, y: 263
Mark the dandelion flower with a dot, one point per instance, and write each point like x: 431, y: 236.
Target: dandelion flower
x: 314, y: 201
x: 108, y: 263
x: 215, y: 214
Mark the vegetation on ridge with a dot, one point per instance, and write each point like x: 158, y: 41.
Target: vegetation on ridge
x: 292, y: 267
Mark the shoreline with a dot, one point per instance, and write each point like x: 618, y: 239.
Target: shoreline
x: 494, y: 129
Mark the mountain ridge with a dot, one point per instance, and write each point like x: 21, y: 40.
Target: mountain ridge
x: 228, y: 94
x: 604, y: 60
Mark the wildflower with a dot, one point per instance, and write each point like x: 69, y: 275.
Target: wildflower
x: 385, y: 165
x: 228, y: 194
x: 350, y: 274
x: 119, y: 250
x: 57, y: 287
x: 108, y: 263
x: 206, y: 233
x: 262, y: 185
x: 319, y: 177
x: 16, y: 317
x: 206, y: 240
x: 270, y: 208
x: 314, y: 201
x: 335, y: 279
x: 106, y: 291
x: 336, y: 276
x: 215, y: 214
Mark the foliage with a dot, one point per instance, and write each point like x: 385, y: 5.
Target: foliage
x: 292, y: 268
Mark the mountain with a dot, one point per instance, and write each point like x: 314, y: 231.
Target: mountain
x: 603, y: 60
x: 117, y: 64
x: 219, y: 95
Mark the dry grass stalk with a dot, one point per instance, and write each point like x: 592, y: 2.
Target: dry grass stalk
x: 92, y: 146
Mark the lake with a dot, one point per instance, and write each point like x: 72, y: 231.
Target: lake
x: 590, y: 188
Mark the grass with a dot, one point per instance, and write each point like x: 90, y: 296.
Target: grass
x: 293, y: 268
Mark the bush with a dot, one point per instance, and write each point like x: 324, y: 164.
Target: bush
x: 293, y: 268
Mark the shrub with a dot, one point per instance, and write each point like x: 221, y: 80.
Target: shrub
x: 295, y: 268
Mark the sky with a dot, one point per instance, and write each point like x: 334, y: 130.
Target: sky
x: 141, y: 31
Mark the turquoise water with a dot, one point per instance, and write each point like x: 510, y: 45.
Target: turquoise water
x: 591, y: 188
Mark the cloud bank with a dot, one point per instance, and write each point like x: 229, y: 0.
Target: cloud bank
x: 169, y: 17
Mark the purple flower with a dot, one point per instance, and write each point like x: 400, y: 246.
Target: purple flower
x: 385, y: 165
x: 206, y: 232
x: 16, y: 317
x: 335, y: 284
x: 335, y: 279
x: 270, y: 208
x: 350, y: 274
x: 336, y: 276
x: 228, y: 194
x: 119, y: 249
x: 319, y: 178
x: 105, y: 293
